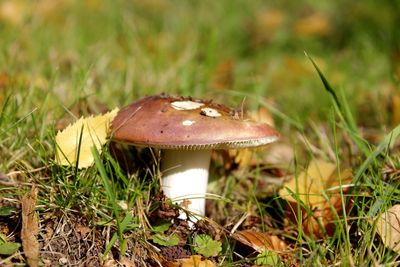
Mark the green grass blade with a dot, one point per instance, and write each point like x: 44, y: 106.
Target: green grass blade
x: 344, y: 114
x: 123, y: 226
x: 385, y: 144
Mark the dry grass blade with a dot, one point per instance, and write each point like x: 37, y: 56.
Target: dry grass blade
x: 30, y: 228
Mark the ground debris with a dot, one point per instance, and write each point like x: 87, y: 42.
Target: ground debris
x: 68, y: 238
x: 174, y: 252
x: 30, y: 228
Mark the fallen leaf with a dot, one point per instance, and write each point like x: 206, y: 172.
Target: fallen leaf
x: 30, y: 228
x: 193, y: 261
x: 278, y: 154
x: 388, y: 227
x: 264, y: 26
x: 270, y: 19
x: 13, y: 11
x: 318, y: 187
x: 240, y: 157
x: 315, y: 24
x: 83, y: 107
x: 318, y: 179
x: 260, y: 241
x: 94, y: 131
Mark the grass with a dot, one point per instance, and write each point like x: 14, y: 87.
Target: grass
x: 65, y: 59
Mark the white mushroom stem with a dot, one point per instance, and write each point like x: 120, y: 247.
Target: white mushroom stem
x: 185, y: 177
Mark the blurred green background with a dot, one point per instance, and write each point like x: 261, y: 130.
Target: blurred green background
x: 55, y: 53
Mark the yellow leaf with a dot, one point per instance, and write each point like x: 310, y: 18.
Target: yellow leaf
x: 388, y: 227
x: 13, y: 11
x: 195, y: 261
x: 192, y: 261
x: 318, y: 188
x: 311, y: 184
x: 94, y: 131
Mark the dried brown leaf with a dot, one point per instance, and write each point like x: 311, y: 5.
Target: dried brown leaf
x: 260, y: 241
x: 30, y: 228
x: 388, y: 227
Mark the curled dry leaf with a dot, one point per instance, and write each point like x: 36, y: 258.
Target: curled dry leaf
x: 193, y: 261
x: 30, y: 228
x: 94, y: 132
x: 318, y: 187
x: 388, y: 227
x: 260, y: 241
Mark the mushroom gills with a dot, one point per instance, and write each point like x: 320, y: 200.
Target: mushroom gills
x: 185, y: 177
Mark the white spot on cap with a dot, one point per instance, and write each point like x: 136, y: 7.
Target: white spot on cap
x: 187, y: 122
x: 186, y: 105
x: 210, y: 112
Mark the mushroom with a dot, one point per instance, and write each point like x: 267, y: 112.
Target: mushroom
x: 186, y: 130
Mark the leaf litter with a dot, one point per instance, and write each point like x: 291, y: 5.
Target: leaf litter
x: 74, y: 143
x: 388, y: 227
x: 319, y: 188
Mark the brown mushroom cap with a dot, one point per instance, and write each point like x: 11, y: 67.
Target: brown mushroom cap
x: 183, y: 123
